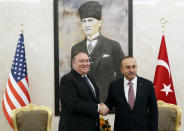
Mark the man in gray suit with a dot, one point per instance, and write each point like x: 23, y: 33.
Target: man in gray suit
x: 104, y: 54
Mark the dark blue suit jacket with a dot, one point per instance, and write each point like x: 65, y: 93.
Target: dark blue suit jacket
x: 78, y: 104
x: 144, y: 116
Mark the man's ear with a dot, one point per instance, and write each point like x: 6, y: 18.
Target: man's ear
x: 72, y: 64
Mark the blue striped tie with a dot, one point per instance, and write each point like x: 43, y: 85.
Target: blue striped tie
x: 87, y: 81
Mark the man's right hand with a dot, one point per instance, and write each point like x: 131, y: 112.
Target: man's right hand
x: 103, y: 109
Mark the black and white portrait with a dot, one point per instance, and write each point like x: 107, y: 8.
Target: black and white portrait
x: 101, y: 29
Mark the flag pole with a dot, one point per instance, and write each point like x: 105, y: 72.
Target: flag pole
x: 163, y: 22
x: 22, y: 28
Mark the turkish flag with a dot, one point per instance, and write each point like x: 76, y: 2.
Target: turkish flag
x: 163, y: 84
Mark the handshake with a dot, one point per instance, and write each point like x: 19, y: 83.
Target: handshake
x: 103, y: 109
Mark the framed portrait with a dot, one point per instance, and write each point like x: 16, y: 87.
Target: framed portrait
x: 115, y: 30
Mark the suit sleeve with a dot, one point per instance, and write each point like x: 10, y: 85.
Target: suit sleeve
x: 118, y: 55
x: 70, y: 98
x: 153, y: 110
x: 109, y: 101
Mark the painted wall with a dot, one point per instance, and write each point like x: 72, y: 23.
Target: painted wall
x: 37, y: 17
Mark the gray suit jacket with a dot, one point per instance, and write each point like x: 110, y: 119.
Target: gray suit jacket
x: 105, y: 62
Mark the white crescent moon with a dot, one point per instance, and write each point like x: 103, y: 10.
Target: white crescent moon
x: 164, y: 64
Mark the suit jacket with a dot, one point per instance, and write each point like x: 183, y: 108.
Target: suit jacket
x: 143, y: 116
x: 78, y: 104
x: 105, y: 61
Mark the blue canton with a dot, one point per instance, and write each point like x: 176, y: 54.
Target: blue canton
x: 19, y: 68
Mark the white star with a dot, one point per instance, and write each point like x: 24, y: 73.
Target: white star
x: 166, y: 89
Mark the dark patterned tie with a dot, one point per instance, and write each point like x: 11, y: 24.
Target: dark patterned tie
x: 87, y: 81
x: 131, y: 96
x: 90, y: 47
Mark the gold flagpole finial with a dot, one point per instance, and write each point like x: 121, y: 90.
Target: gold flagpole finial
x: 163, y: 22
x: 22, y: 28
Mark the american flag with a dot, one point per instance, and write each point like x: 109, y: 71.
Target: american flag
x: 16, y: 93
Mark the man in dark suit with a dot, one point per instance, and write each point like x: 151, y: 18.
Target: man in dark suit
x: 79, y: 96
x: 105, y: 55
x: 134, y: 100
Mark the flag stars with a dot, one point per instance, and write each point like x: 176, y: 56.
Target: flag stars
x: 15, y: 72
x: 166, y: 89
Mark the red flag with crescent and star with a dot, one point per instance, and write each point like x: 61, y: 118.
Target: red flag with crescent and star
x: 163, y: 83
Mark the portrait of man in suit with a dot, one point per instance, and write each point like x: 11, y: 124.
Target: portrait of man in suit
x: 109, y: 35
x: 104, y: 54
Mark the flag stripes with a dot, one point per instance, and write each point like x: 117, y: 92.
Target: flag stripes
x: 16, y: 94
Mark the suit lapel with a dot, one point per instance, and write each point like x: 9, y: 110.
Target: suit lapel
x: 124, y: 100
x: 98, y: 52
x: 95, y: 87
x: 83, y: 83
x: 138, y: 93
x: 84, y: 46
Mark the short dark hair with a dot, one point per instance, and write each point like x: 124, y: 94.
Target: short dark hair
x: 76, y: 53
x: 126, y: 57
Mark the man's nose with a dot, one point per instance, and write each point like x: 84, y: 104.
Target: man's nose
x: 131, y: 69
x: 87, y: 24
x: 85, y: 63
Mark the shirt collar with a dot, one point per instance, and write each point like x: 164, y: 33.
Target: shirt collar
x: 94, y: 36
x: 134, y: 81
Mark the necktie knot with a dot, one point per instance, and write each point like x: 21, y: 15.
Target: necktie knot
x: 90, y: 47
x: 130, y: 83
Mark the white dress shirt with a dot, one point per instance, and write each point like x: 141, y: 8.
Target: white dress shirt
x: 93, y: 42
x: 126, y: 86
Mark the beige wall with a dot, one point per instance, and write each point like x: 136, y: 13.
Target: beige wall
x: 37, y: 17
